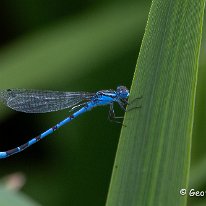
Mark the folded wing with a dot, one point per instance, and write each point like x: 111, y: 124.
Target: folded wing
x: 41, y: 101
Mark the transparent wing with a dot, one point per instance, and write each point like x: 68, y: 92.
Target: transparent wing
x: 41, y: 101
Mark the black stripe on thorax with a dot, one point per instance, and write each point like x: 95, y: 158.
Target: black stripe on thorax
x: 108, y: 93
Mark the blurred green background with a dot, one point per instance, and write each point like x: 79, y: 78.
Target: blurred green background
x: 74, y: 46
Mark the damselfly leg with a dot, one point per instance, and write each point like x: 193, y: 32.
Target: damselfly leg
x: 111, y: 116
x: 131, y: 102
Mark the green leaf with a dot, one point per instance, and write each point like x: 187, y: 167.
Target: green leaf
x: 153, y: 156
x: 10, y: 198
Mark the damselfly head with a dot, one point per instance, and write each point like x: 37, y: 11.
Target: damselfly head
x: 123, y: 92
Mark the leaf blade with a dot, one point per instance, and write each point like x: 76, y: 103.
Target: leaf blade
x: 158, y: 136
